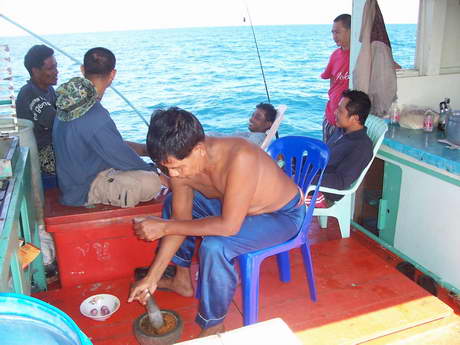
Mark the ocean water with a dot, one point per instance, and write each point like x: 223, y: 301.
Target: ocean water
x: 212, y: 72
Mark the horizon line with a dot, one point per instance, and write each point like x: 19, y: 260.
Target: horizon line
x: 173, y: 28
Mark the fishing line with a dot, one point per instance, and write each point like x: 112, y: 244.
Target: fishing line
x: 258, y: 54
x: 75, y: 60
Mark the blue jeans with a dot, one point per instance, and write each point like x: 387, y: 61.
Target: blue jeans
x: 218, y: 277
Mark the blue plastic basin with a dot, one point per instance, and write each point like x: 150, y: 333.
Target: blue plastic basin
x: 26, y: 320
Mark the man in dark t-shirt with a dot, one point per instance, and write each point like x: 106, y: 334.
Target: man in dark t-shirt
x: 36, y: 101
x: 350, y: 148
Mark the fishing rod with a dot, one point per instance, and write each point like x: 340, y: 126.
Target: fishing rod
x: 73, y: 59
x: 258, y: 53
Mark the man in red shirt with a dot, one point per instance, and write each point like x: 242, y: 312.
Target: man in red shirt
x: 337, y: 71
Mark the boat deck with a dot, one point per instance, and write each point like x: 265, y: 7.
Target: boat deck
x: 362, y: 298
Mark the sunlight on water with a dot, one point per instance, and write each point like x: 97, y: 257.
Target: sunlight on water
x: 213, y: 72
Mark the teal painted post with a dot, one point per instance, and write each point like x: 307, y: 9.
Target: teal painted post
x: 20, y: 223
x: 30, y: 228
x: 17, y: 274
x: 389, y: 204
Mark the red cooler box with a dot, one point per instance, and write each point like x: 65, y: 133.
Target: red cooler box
x: 97, y: 244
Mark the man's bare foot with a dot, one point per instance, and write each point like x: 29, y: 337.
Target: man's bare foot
x: 181, y: 283
x: 220, y: 328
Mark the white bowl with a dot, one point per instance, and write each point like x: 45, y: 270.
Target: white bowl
x: 100, y: 307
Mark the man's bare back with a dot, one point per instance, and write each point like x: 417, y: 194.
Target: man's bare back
x: 273, y: 189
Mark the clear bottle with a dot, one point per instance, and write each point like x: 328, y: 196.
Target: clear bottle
x: 444, y: 111
x: 448, y: 111
x: 395, y: 113
x: 428, y: 121
x: 442, y: 116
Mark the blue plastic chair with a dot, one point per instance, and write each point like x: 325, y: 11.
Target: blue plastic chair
x: 303, y: 158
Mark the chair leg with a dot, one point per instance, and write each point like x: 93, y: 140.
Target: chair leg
x: 284, y: 267
x: 344, y: 224
x: 249, y: 269
x: 352, y: 205
x: 307, y: 262
x: 344, y: 218
x: 323, y: 222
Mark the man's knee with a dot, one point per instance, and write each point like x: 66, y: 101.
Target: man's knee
x: 148, y: 180
x: 212, y: 246
x: 124, y: 188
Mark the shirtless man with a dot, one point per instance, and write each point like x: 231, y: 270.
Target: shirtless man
x: 225, y: 189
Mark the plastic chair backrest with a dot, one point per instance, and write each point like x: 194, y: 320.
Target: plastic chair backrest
x: 303, y: 158
x: 274, y: 128
x: 376, y: 129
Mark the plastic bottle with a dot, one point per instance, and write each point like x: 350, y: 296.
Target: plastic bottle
x: 428, y: 121
x: 448, y: 110
x: 395, y: 113
x: 442, y: 116
x: 444, y: 111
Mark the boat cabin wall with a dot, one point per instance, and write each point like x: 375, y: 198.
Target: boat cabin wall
x: 437, y: 62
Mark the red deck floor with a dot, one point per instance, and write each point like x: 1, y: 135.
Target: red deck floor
x: 361, y: 296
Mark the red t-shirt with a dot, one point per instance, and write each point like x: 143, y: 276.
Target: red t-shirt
x: 338, y: 71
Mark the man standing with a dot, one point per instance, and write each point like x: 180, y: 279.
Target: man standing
x: 36, y: 101
x: 94, y: 164
x: 337, y: 71
x: 219, y: 191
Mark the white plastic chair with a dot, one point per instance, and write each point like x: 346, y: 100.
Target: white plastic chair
x: 342, y: 209
x: 274, y: 128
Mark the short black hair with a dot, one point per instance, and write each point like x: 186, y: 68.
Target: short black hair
x: 99, y: 61
x: 172, y: 132
x: 270, y: 111
x: 359, y: 104
x: 345, y: 19
x: 36, y: 57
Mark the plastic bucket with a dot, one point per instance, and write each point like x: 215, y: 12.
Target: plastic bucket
x: 27, y: 320
x: 27, y: 139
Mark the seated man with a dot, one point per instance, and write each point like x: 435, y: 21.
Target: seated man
x: 94, y: 164
x: 260, y: 122
x: 207, y: 200
x: 36, y: 101
x: 349, y: 146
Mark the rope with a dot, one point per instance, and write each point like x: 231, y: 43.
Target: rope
x: 73, y: 59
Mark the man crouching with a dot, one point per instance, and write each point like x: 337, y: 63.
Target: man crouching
x: 225, y: 189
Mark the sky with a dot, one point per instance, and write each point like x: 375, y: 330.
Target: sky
x: 62, y: 16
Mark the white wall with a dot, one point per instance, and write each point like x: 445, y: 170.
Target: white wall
x: 429, y: 90
x: 437, y: 73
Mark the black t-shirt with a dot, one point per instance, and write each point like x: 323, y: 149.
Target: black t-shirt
x: 38, y: 106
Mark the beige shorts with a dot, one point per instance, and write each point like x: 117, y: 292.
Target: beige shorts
x: 124, y: 188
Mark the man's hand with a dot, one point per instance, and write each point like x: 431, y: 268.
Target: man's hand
x: 141, y: 290
x: 149, y: 228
